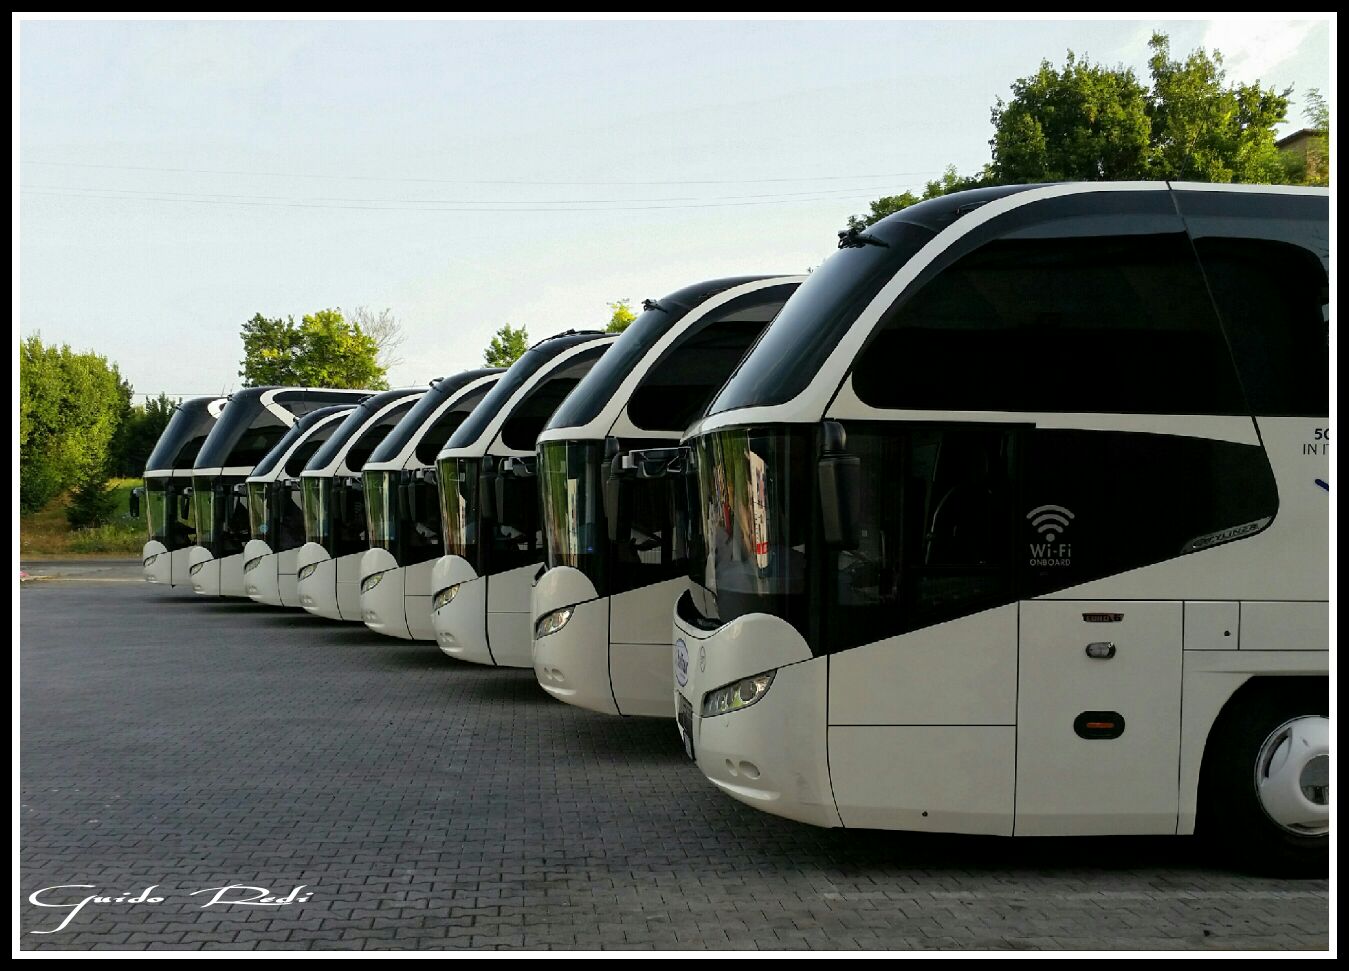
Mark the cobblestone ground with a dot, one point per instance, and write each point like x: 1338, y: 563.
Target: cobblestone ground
x: 191, y: 744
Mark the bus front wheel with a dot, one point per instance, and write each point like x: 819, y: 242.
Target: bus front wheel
x: 1266, y: 780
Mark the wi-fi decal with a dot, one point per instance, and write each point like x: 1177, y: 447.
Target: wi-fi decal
x: 1050, y: 521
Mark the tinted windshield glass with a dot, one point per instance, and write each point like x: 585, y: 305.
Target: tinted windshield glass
x: 573, y: 506
x: 183, y: 436
x: 169, y: 513
x: 414, y: 423
x: 317, y: 499
x: 381, y: 514
x: 258, y: 523
x: 222, y: 514
x: 817, y: 316
x: 511, y: 382
x: 459, y: 506
x: 754, y: 515
x: 352, y: 426
x: 157, y: 509
x: 301, y: 429
x: 641, y: 335
x: 247, y: 429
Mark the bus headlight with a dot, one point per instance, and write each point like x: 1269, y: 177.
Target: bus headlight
x: 372, y: 581
x: 443, y: 597
x: 150, y: 559
x: 737, y: 695
x: 553, y: 622
x: 307, y: 571
x: 195, y: 568
x: 252, y: 563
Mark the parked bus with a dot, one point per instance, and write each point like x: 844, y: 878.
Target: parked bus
x: 167, y: 490
x: 252, y: 422
x: 489, y: 504
x: 328, y: 564
x: 276, y: 511
x: 1016, y: 522
x: 402, y: 508
x: 615, y: 552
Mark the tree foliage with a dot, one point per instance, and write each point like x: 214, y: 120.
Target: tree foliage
x: 325, y: 350
x: 621, y: 317
x: 70, y: 407
x: 1087, y: 121
x: 506, y: 347
x: 137, y: 434
x: 1206, y: 131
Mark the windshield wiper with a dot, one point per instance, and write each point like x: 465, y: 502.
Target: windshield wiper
x: 853, y: 237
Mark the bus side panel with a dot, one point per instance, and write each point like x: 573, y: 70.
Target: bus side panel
x: 962, y: 672
x: 1098, y: 734
x: 926, y: 778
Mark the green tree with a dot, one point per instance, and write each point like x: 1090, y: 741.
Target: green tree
x: 1206, y: 131
x: 622, y: 316
x: 70, y: 407
x: 325, y: 350
x: 139, y: 431
x: 1312, y: 165
x: 1087, y: 121
x: 507, y: 344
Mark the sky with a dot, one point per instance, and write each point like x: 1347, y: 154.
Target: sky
x: 179, y: 177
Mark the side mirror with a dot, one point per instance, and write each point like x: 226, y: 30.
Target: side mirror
x: 654, y: 463
x: 134, y: 502
x: 840, y: 476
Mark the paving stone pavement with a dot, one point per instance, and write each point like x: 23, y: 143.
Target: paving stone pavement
x: 193, y: 744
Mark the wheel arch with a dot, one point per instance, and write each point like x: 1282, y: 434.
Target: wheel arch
x: 1218, y: 699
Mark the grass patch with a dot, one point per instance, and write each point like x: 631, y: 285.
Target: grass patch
x: 46, y: 532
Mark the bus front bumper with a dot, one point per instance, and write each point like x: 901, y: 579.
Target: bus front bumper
x: 316, y: 581
x: 383, y: 590
x: 157, y: 562
x: 460, y: 622
x: 771, y: 754
x: 572, y: 663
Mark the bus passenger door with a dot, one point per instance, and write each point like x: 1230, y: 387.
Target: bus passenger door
x: 1098, y: 717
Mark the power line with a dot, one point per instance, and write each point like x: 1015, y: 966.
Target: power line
x: 458, y: 202
x: 383, y: 178
x: 160, y: 197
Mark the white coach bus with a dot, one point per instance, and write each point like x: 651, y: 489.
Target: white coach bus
x: 167, y: 491
x: 276, y: 510
x: 1016, y: 522
x: 402, y: 508
x: 489, y: 504
x: 328, y: 564
x: 250, y: 425
x: 615, y: 550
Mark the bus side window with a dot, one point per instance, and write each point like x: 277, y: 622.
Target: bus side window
x: 1114, y: 324
x: 1273, y: 299
x: 937, y: 529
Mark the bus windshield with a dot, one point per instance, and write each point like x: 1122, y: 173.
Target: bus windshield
x: 459, y: 512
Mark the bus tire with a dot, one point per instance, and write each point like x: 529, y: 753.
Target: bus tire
x: 1265, y: 784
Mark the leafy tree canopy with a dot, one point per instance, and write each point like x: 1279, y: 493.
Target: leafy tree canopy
x: 324, y: 350
x: 507, y: 344
x: 1087, y: 121
x: 622, y: 315
x: 70, y: 407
